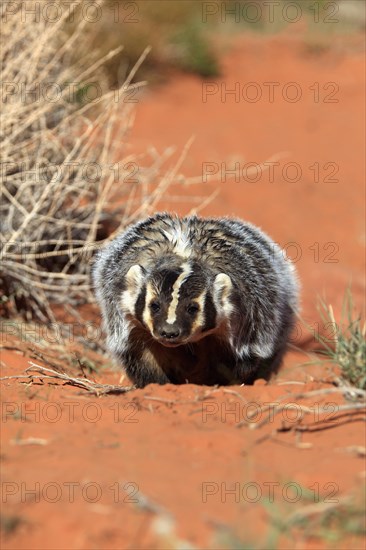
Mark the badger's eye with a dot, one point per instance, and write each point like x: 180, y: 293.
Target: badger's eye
x: 192, y: 309
x: 155, y: 307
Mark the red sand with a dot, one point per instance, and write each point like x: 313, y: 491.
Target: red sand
x: 178, y: 450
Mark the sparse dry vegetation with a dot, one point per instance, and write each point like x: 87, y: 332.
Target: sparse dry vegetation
x: 69, y: 179
x: 349, y: 349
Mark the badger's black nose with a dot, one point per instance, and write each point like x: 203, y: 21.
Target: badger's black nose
x: 169, y: 332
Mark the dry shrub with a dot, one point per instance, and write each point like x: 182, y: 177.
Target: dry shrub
x: 347, y: 347
x: 69, y: 180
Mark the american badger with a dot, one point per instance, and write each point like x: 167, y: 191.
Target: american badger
x: 205, y: 301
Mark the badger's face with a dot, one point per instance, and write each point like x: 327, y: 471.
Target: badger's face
x: 179, y: 303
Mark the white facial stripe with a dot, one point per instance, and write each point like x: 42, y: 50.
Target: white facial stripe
x: 200, y: 319
x: 172, y: 311
x: 147, y: 312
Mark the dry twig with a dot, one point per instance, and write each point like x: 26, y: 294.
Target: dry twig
x: 84, y: 383
x: 68, y: 178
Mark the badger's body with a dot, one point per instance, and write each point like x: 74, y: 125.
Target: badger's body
x: 206, y: 301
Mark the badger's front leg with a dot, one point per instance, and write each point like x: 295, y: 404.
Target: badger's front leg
x: 142, y: 367
x: 250, y: 369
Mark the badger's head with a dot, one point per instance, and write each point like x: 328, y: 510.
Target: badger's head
x: 177, y: 302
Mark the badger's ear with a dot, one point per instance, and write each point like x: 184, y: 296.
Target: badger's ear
x: 222, y: 287
x: 134, y: 279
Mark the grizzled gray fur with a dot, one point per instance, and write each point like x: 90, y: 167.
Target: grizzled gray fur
x: 205, y: 301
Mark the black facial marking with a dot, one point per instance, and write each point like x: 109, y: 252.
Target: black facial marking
x: 164, y: 280
x: 193, y: 309
x: 209, y: 314
x: 155, y: 307
x: 192, y: 287
x: 140, y: 305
